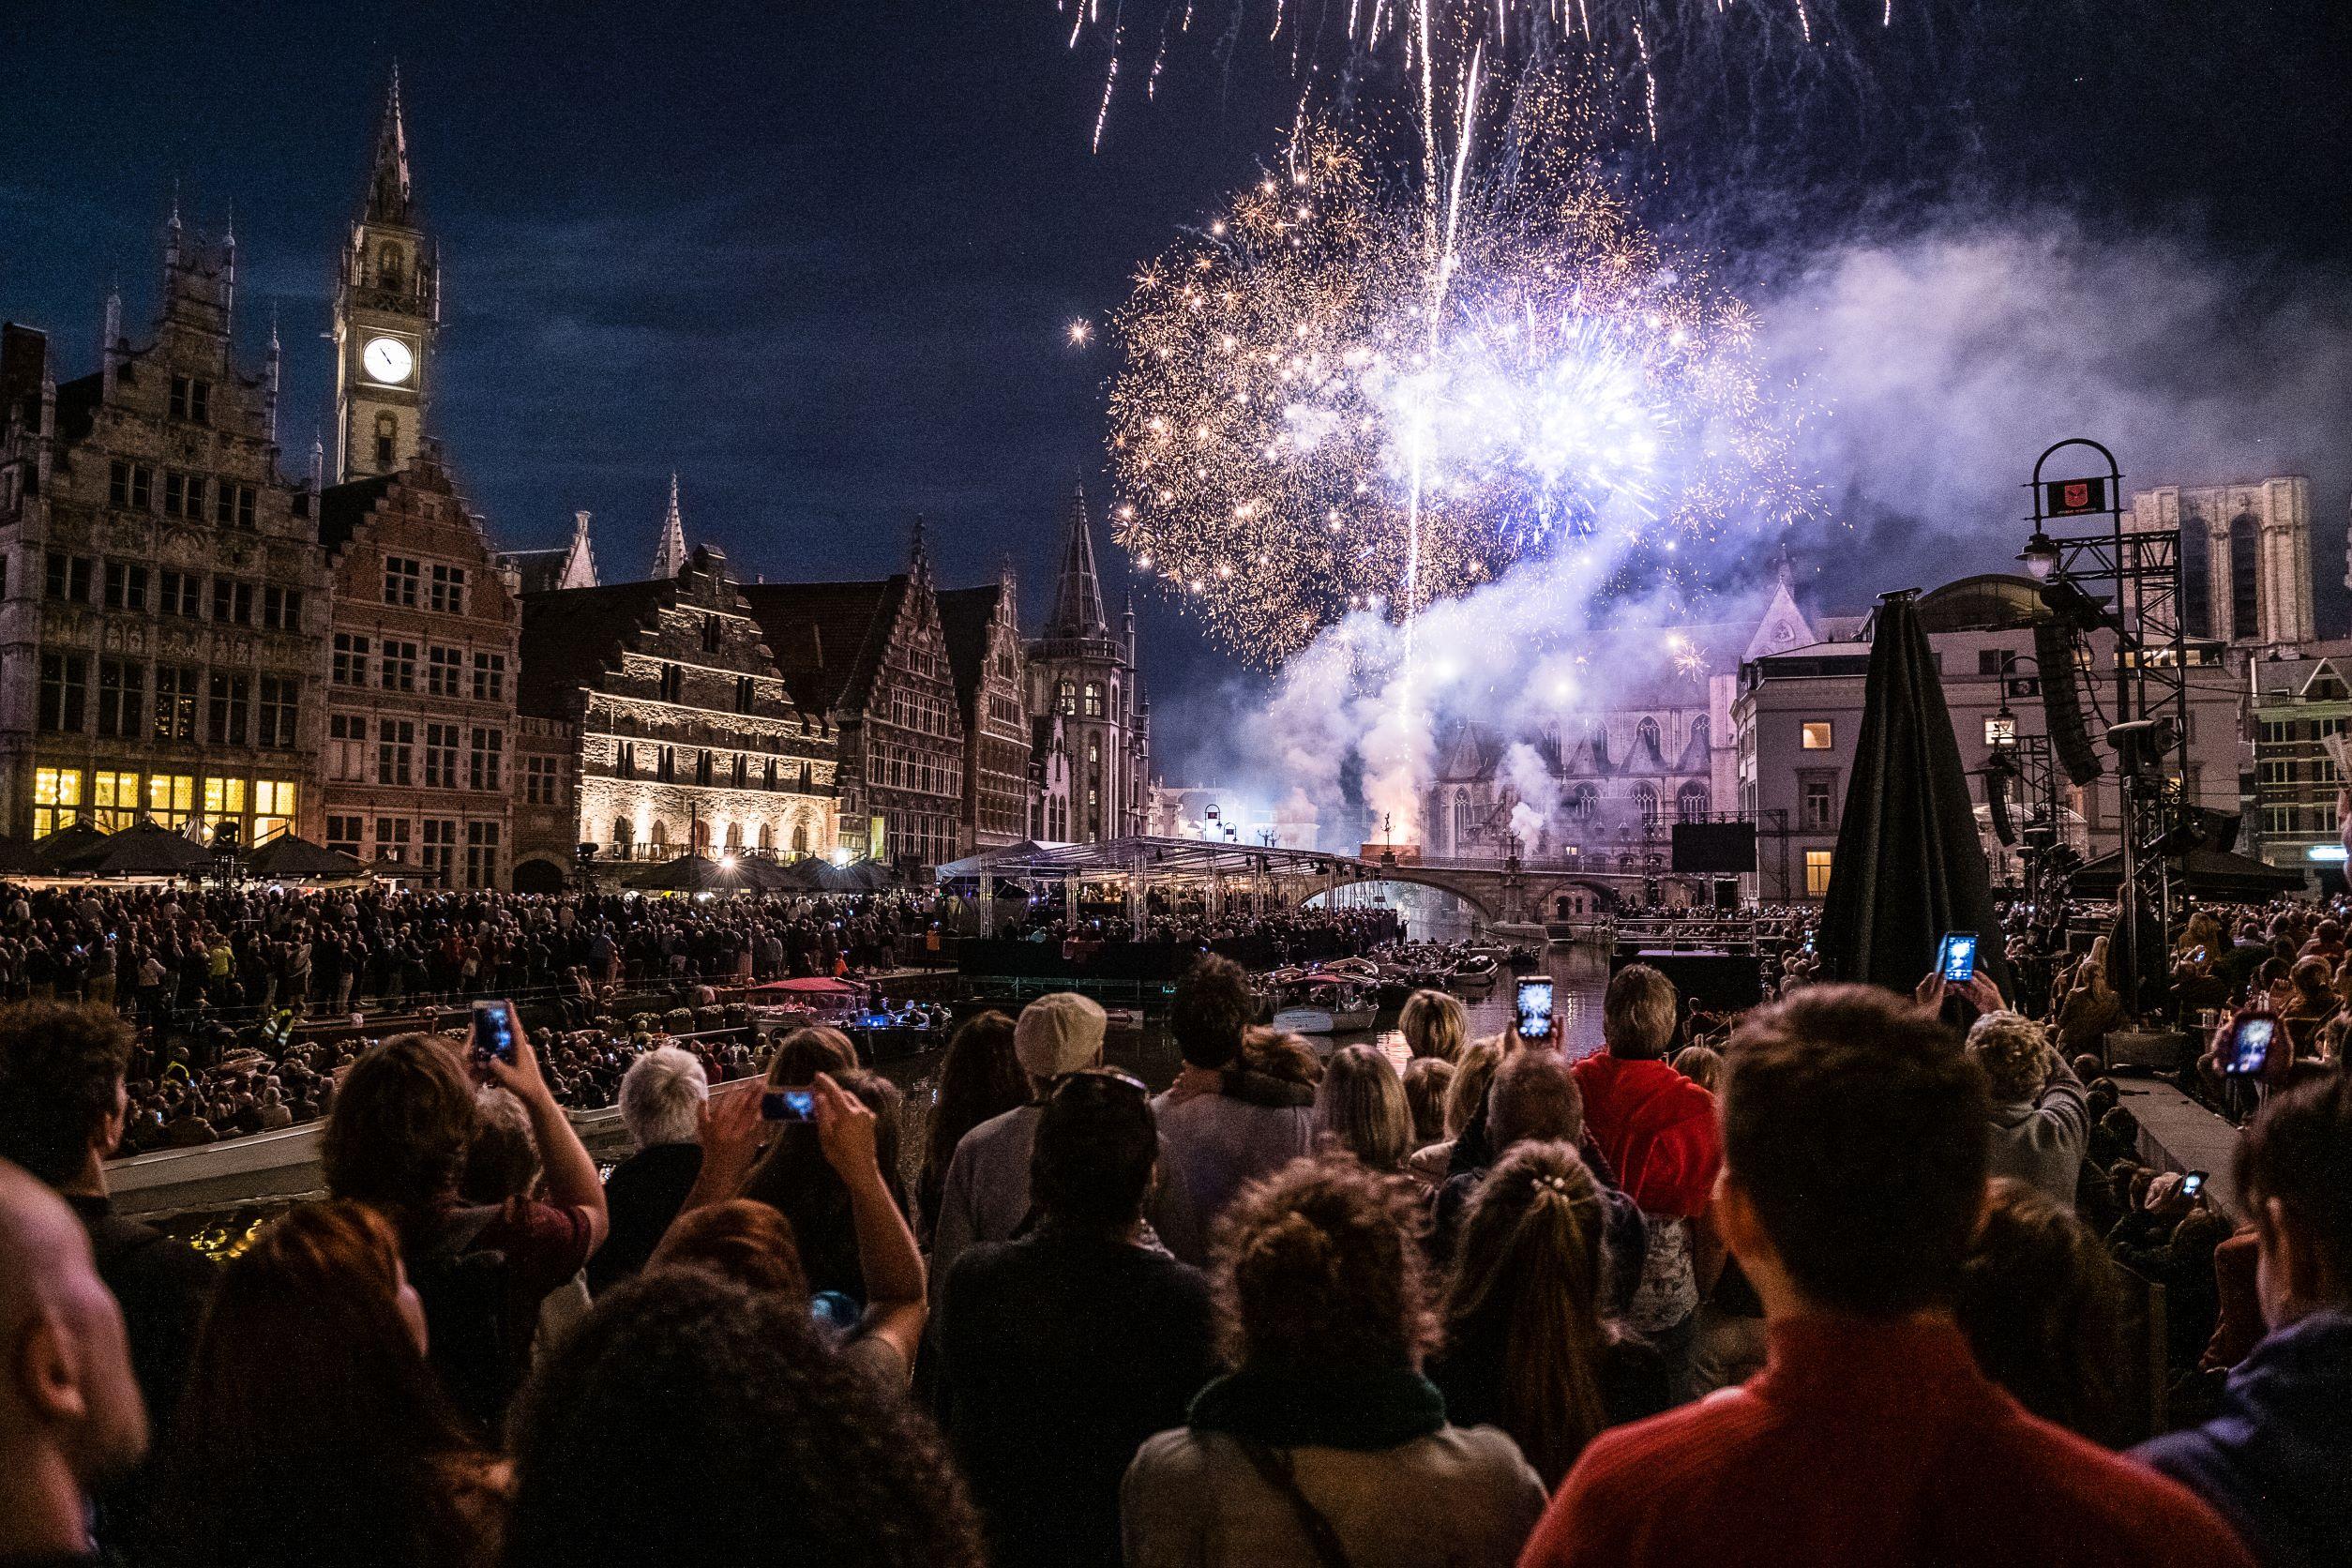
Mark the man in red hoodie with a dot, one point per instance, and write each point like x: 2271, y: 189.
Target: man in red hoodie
x: 1657, y: 1130
x: 1854, y: 1171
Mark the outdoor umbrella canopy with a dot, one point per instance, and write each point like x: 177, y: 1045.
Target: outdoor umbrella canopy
x: 1908, y: 866
x: 697, y: 873
x: 74, y: 838
x: 858, y: 876
x: 141, y: 850
x: 2207, y: 873
x: 287, y: 857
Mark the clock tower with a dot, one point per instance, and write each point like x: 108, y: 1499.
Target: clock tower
x: 387, y: 306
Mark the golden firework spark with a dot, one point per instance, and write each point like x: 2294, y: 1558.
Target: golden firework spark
x: 1320, y: 408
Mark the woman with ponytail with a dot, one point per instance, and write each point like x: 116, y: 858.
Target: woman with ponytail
x: 1324, y: 1444
x: 1526, y: 1346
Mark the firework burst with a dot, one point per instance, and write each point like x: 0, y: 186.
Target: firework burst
x: 1323, y: 409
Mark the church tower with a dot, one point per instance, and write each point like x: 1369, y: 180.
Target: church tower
x: 1084, y: 670
x: 387, y: 306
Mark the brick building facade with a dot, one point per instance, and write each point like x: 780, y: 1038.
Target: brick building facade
x: 423, y: 667
x: 873, y: 656
x: 983, y: 630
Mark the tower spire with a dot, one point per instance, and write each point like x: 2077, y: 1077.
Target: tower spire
x: 918, y: 556
x: 669, y: 559
x: 389, y: 196
x: 1077, y: 600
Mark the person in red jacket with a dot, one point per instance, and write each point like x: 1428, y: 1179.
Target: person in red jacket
x: 1854, y: 1171
x: 1657, y: 1130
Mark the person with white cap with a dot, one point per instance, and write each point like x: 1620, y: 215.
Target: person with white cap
x: 985, y: 1196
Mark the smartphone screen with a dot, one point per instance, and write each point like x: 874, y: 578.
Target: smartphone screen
x: 1958, y: 963
x: 2192, y: 1183
x: 788, y: 1105
x: 2250, y: 1052
x: 1536, y: 1008
x: 493, y: 1031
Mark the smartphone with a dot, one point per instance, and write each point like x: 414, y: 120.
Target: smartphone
x: 493, y: 1032
x: 788, y: 1105
x: 1958, y: 962
x: 2192, y: 1183
x: 2249, y: 1047
x: 1536, y: 1008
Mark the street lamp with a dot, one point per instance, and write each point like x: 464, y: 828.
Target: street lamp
x: 2040, y: 556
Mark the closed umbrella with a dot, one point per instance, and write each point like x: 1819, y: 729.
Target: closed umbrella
x: 1908, y: 866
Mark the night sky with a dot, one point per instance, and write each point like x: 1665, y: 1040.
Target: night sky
x: 819, y: 258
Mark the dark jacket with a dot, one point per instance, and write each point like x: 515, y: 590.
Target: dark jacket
x: 2274, y: 1461
x: 641, y: 1196
x: 1060, y: 1353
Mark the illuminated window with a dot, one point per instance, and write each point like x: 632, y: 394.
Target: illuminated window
x: 170, y: 798
x: 273, y: 808
x: 2000, y: 731
x: 56, y: 799
x: 1093, y: 700
x: 1817, y: 736
x: 224, y: 802
x: 114, y: 800
x: 1817, y: 873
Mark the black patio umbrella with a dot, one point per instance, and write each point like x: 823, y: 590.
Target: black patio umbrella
x: 141, y: 850
x: 697, y: 873
x: 53, y: 849
x: 287, y: 857
x: 1909, y: 866
x: 822, y: 876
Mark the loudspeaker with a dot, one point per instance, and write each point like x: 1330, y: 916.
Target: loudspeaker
x: 2062, y: 701
x: 1996, y: 802
x: 1719, y: 982
x: 1721, y: 849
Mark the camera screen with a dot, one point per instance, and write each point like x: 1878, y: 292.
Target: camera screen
x: 1535, y: 1009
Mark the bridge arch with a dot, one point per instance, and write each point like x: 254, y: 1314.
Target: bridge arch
x: 1463, y: 889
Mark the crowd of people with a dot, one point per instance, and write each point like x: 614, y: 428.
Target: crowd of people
x: 1290, y: 935
x: 1829, y: 1292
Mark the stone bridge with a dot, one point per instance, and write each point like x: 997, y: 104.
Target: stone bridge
x: 1522, y: 892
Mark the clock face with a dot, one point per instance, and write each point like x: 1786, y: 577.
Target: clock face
x: 387, y: 360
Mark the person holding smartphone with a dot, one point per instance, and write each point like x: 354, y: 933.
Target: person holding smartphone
x: 397, y: 1138
x: 2040, y: 1122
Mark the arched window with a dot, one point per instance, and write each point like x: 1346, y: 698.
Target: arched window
x: 660, y: 835
x: 1093, y: 700
x: 1583, y: 802
x: 388, y: 265
x: 735, y: 836
x: 702, y: 834
x: 622, y: 835
x: 1699, y: 731
x: 2196, y: 575
x: 1114, y: 699
x: 387, y: 439
x: 800, y: 837
x: 1690, y: 802
x: 767, y: 837
x: 2245, y: 578
x: 1465, y: 826
x: 1065, y: 697
x: 1645, y: 737
x: 1646, y: 802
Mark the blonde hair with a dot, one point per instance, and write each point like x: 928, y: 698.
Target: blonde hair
x: 2014, y: 1053
x: 1434, y: 1023
x: 1701, y: 1064
x: 1474, y: 1075
x: 1360, y: 1106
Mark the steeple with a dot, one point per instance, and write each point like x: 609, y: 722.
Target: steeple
x: 389, y: 196
x: 1077, y: 599
x: 918, y: 557
x: 670, y: 558
x: 277, y: 357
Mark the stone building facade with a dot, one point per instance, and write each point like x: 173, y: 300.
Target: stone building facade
x: 388, y: 308
x: 2245, y: 556
x: 163, y: 608
x: 873, y: 656
x: 1079, y: 668
x: 424, y: 661
x: 984, y: 652
x: 687, y: 735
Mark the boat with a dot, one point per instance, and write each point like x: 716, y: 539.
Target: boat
x: 1474, y: 971
x: 1325, y: 1005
